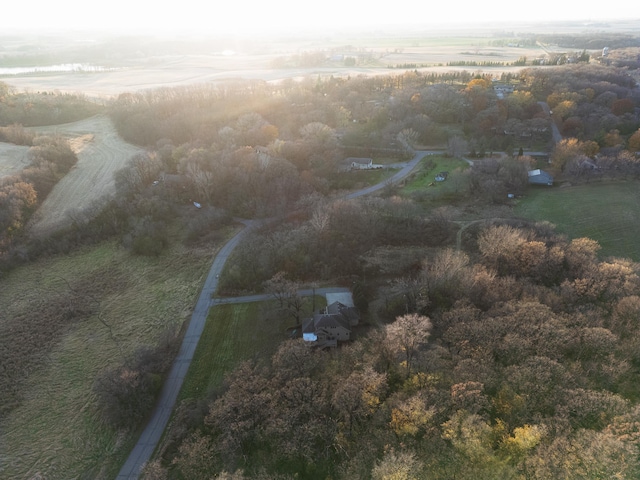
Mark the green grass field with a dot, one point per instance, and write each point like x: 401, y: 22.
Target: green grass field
x: 234, y: 333
x: 607, y: 212
x: 422, y: 185
x: 55, y: 430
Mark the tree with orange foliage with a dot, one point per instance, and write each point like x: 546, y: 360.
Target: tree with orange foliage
x: 634, y: 142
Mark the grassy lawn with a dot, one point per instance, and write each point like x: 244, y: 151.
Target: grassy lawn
x: 607, y: 212
x: 234, y: 333
x: 422, y: 182
x: 357, y: 179
x: 54, y: 430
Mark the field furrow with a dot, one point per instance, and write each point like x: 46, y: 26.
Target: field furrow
x: 100, y: 153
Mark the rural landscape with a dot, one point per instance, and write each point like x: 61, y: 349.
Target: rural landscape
x: 373, y: 255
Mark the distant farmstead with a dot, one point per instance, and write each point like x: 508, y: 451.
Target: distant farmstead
x: 540, y: 177
x: 360, y: 163
x: 502, y: 90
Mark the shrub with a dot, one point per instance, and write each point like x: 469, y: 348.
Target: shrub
x: 147, y: 238
x: 126, y: 394
x: 16, y: 134
x: 204, y: 225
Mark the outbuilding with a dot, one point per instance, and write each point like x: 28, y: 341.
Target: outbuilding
x: 357, y: 163
x: 540, y: 177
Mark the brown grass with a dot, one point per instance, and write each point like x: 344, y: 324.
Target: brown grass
x: 53, y: 427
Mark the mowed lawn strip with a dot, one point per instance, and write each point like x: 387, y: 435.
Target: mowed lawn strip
x: 227, y: 339
x: 425, y: 174
x: 235, y: 333
x: 606, y: 212
x: 56, y: 431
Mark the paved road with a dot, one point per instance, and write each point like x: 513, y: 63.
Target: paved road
x: 555, y: 132
x: 150, y: 437
x: 399, y: 175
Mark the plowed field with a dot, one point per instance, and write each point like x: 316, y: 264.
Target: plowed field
x: 100, y: 153
x: 13, y: 158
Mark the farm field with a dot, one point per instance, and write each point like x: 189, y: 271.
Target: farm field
x: 587, y: 211
x: 100, y: 152
x: 253, y: 60
x: 13, y: 158
x: 53, y: 429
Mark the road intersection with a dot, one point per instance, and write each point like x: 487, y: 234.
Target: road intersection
x: 144, y: 448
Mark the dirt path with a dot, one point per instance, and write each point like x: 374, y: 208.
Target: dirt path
x: 100, y: 152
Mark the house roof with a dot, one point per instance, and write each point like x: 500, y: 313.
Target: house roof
x: 330, y: 320
x: 539, y: 173
x: 345, y: 298
x: 308, y: 326
x: 334, y: 316
x: 360, y: 160
x: 540, y: 176
x: 338, y: 308
x: 324, y: 320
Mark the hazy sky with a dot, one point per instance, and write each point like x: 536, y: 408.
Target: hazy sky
x: 246, y: 16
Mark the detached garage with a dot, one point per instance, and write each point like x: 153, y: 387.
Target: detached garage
x: 540, y: 177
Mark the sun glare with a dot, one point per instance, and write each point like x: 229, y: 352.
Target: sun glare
x: 253, y: 16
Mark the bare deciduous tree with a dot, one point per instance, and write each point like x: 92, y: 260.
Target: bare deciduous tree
x: 407, y: 335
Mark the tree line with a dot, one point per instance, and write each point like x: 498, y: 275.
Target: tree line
x: 31, y: 109
x: 20, y: 195
x: 514, y: 359
x: 493, y: 361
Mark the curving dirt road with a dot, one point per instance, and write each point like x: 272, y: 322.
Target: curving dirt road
x: 100, y: 152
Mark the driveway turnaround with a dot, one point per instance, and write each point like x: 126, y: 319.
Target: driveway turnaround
x: 150, y: 437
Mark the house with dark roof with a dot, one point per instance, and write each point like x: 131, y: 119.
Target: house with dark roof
x: 330, y: 325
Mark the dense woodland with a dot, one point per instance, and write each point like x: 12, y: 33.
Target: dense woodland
x: 516, y: 360
x: 511, y: 358
x: 513, y: 354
